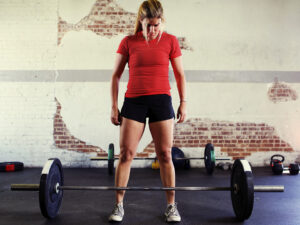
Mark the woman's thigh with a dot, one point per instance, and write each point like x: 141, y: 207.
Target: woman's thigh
x: 131, y: 132
x: 162, y: 134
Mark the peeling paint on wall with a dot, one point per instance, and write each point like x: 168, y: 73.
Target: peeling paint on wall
x: 237, y: 140
x: 65, y: 140
x: 281, y: 92
x: 107, y: 19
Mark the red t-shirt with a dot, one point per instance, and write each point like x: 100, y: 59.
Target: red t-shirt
x: 149, y: 63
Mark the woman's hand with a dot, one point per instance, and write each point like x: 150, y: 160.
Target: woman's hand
x: 115, y: 116
x: 181, y: 112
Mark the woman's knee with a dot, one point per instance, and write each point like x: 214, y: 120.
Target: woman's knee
x: 165, y: 156
x: 126, y: 154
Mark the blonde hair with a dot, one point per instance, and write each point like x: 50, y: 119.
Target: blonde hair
x: 149, y: 9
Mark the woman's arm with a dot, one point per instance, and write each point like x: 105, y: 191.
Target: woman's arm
x: 119, y: 66
x: 180, y: 80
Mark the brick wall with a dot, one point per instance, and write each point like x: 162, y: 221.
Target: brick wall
x: 26, y: 119
x: 33, y: 128
x: 107, y: 19
x: 65, y: 140
x: 32, y: 30
x: 281, y: 92
x: 236, y: 140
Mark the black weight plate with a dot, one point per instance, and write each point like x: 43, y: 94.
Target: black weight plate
x: 177, y: 155
x: 11, y: 166
x: 110, y: 166
x: 208, y: 159
x: 111, y: 151
x: 187, y: 164
x: 50, y: 199
x: 242, y: 189
x: 294, y: 168
x: 111, y: 160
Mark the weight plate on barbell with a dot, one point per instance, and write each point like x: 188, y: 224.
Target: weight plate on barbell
x: 111, y: 156
x: 49, y: 196
x: 242, y: 189
x: 177, y: 157
x: 294, y: 168
x: 209, y: 158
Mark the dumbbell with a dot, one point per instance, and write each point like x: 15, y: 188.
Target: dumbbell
x: 11, y: 166
x: 278, y: 168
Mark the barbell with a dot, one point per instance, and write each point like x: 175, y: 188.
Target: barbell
x: 209, y: 158
x: 51, y: 188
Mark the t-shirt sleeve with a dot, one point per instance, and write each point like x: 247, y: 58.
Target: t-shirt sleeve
x: 175, y: 51
x: 123, y: 47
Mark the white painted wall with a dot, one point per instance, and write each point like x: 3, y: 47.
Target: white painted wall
x: 26, y: 121
x: 28, y: 33
x: 225, y: 35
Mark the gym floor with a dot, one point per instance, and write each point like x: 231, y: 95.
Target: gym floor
x: 143, y: 208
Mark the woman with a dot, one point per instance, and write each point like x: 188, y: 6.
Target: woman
x: 147, y: 53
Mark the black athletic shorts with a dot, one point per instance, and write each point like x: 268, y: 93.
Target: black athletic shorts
x: 156, y: 107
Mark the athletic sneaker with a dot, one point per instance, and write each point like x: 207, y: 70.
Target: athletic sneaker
x: 117, y: 214
x: 172, y: 214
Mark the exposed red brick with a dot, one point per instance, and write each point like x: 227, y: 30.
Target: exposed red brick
x: 149, y: 150
x: 106, y: 12
x: 142, y: 154
x: 237, y: 157
x: 63, y: 138
x: 281, y: 92
x: 235, y: 143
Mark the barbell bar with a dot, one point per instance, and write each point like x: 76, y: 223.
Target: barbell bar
x: 152, y: 158
x: 51, y: 188
x: 209, y: 158
x: 36, y: 187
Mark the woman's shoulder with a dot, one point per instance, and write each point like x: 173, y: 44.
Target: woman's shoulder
x: 169, y: 36
x: 130, y: 37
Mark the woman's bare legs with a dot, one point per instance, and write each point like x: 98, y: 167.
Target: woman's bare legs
x: 162, y: 134
x: 131, y: 132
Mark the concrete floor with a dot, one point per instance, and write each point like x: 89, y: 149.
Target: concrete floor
x: 143, y: 208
